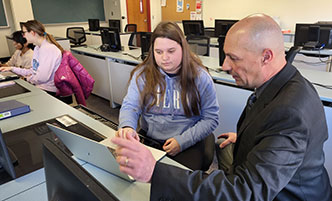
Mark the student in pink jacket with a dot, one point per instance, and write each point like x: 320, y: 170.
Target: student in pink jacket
x: 46, y: 57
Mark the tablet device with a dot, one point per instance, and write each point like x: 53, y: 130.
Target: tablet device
x: 100, y: 154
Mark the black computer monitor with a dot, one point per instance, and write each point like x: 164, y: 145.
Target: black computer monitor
x: 6, y: 162
x: 221, y: 27
x: 313, y: 36
x: 67, y: 180
x: 145, y: 44
x: 93, y: 24
x: 115, y: 24
x: 110, y: 38
x: 193, y: 27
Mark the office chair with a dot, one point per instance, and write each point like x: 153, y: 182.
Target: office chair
x: 76, y: 35
x: 134, y: 40
x: 130, y: 28
x: 221, y: 41
x: 202, y: 151
x: 199, y: 44
x: 209, y: 150
x: 292, y: 53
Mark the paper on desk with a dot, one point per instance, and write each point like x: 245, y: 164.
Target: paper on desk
x: 6, y: 84
x: 157, y: 154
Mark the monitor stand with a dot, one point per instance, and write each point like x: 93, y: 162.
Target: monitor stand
x: 311, y: 45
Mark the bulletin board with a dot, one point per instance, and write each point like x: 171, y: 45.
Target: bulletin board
x: 169, y: 13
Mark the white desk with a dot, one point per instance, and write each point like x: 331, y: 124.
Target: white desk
x: 64, y: 42
x: 32, y: 90
x: 32, y: 186
x: 110, y: 70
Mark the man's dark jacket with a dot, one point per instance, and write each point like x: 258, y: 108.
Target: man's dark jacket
x: 278, y: 154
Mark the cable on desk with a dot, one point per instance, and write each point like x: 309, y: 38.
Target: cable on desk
x: 95, y: 48
x: 322, y: 85
x: 313, y: 63
x: 218, y: 70
x: 132, y: 56
x: 320, y: 59
x: 327, y: 61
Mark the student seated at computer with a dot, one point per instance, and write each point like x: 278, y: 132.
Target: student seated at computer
x: 22, y: 56
x: 46, y: 57
x: 174, y: 95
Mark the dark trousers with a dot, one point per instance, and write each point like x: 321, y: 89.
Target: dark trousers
x: 197, y: 157
x: 65, y: 99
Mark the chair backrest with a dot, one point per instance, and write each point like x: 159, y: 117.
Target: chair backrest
x: 130, y: 28
x: 221, y: 40
x: 209, y: 151
x: 199, y: 44
x: 145, y: 44
x: 76, y: 35
x: 292, y: 53
x: 135, y: 39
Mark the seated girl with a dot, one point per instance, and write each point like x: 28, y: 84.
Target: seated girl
x: 47, y: 57
x: 22, y: 56
x: 174, y: 95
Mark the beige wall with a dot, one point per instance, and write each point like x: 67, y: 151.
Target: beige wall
x: 289, y: 12
x: 155, y: 9
x: 5, y: 31
x: 21, y: 11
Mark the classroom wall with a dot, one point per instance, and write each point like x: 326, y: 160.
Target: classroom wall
x: 155, y: 11
x: 21, y: 11
x: 288, y: 12
x: 5, y: 31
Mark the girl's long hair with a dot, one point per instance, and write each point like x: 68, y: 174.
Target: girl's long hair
x: 188, y: 72
x: 37, y: 27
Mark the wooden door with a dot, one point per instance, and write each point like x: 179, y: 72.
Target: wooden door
x: 138, y: 12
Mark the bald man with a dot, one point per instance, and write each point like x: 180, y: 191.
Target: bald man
x: 278, y: 153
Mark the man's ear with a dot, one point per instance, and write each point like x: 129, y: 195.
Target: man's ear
x: 267, y: 56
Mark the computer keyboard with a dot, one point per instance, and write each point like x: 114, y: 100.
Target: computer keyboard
x: 97, y: 117
x: 41, y: 129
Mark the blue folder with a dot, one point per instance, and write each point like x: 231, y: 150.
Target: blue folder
x: 12, y: 108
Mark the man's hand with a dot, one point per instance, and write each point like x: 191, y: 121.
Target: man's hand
x: 134, y: 158
x: 124, y: 132
x: 230, y: 138
x: 172, y: 147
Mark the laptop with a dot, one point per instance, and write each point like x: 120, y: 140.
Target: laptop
x: 101, y: 154
x: 5, y: 76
